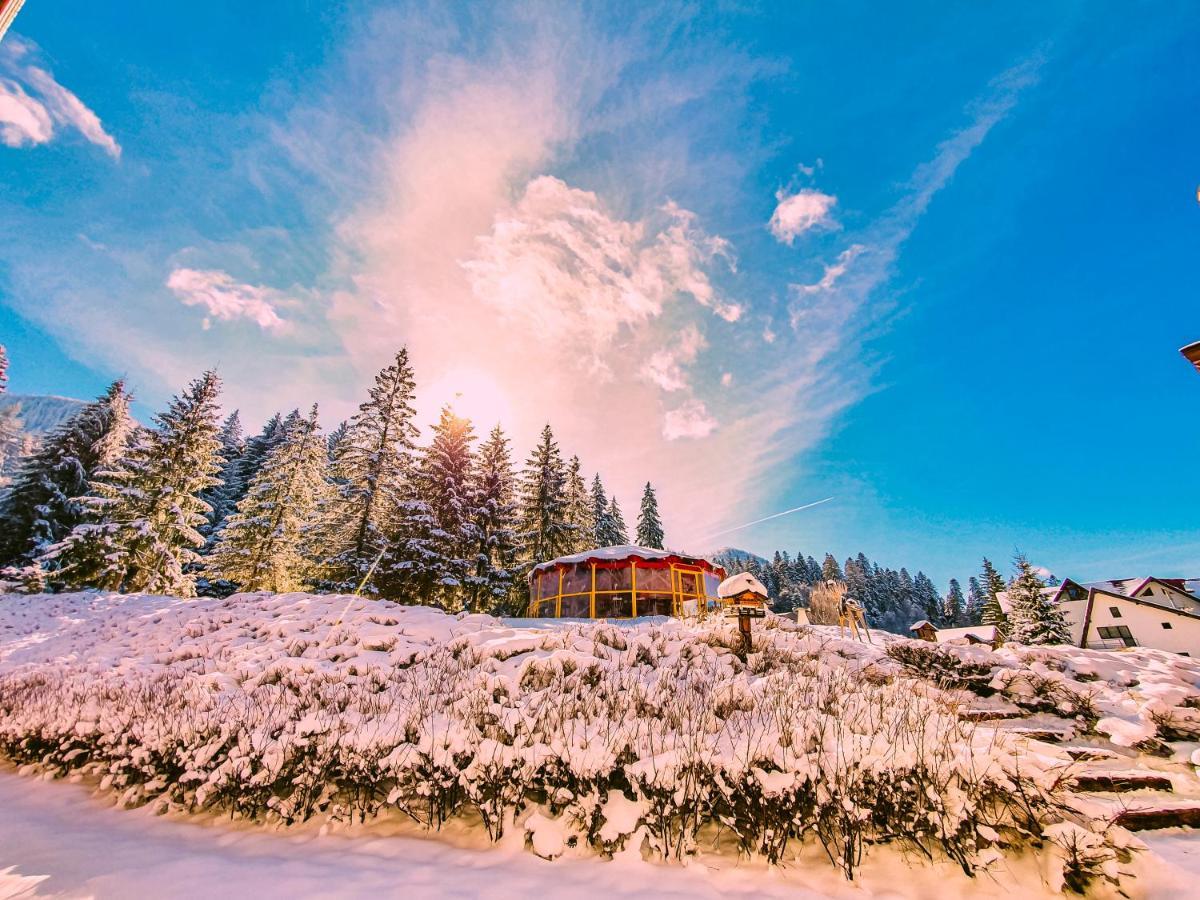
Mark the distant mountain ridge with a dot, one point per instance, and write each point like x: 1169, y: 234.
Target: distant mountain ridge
x: 41, y: 413
x: 735, y: 554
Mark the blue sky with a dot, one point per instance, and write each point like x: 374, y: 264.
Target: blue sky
x: 935, y: 265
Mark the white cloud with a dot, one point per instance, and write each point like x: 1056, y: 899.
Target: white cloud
x: 799, y: 212
x: 563, y: 266
x: 726, y: 379
x: 225, y: 298
x: 28, y: 117
x: 22, y: 119
x: 69, y: 110
x: 665, y: 366
x: 691, y: 420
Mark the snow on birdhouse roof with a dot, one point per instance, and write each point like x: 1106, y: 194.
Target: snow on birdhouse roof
x: 736, y: 584
x: 917, y: 626
x: 622, y: 552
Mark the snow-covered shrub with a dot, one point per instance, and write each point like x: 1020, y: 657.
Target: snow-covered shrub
x: 654, y: 737
x: 943, y: 666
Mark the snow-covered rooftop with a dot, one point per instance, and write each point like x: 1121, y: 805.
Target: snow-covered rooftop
x: 743, y: 581
x: 619, y: 552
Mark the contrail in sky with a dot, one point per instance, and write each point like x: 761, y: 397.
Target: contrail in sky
x: 769, y: 518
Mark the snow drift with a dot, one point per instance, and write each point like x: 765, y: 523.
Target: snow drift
x: 649, y: 737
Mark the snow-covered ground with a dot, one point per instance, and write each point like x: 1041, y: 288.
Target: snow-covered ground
x: 588, y: 743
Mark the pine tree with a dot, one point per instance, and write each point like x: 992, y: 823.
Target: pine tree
x: 43, y: 504
x: 928, y: 601
x: 975, y: 602
x: 954, y: 607
x: 236, y: 475
x: 429, y: 558
x: 620, y: 531
x: 1033, y: 618
x: 231, y: 487
x: 830, y: 570
x: 493, y: 585
x: 263, y: 546
x: 545, y: 531
x: 649, y: 526
x: 993, y: 585
x: 142, y: 530
x: 579, y: 508
x: 373, y: 462
x: 602, y: 522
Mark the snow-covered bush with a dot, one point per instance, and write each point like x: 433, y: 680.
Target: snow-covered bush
x: 654, y: 737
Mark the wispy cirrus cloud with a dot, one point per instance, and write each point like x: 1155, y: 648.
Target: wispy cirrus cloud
x: 33, y: 104
x: 225, y: 298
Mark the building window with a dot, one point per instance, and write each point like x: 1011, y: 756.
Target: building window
x: 1117, y: 633
x: 1166, y: 625
x: 1114, y: 612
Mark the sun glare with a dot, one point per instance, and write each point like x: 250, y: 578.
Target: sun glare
x: 473, y: 394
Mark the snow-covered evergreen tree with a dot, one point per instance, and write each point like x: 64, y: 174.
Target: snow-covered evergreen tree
x: 928, y: 601
x: 973, y: 614
x: 223, y: 496
x: 264, y: 544
x: 649, y: 526
x: 142, y: 534
x: 954, y: 606
x: 429, y: 559
x: 579, y: 508
x: 237, y: 474
x: 43, y: 504
x: 493, y: 585
x: 602, y: 524
x: 1033, y: 618
x: 993, y: 586
x: 334, y: 441
x: 545, y: 531
x: 616, y: 521
x: 373, y: 462
x: 830, y: 570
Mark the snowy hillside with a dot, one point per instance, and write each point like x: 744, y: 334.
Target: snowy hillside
x: 41, y: 413
x: 647, y: 739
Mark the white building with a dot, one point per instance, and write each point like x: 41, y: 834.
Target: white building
x: 1163, y: 613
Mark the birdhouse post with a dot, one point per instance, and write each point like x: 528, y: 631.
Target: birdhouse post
x: 745, y: 599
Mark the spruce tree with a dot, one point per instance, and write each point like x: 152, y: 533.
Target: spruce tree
x: 1033, y: 618
x: 830, y: 570
x: 231, y: 486
x: 44, y: 504
x: 601, y: 520
x: 993, y: 585
x: 545, y: 531
x: 493, y: 585
x: 975, y: 602
x: 579, y: 508
x: 143, y: 518
x: 616, y: 521
x: 649, y: 526
x: 237, y: 474
x: 928, y: 601
x: 429, y: 560
x: 373, y: 462
x: 954, y: 607
x: 264, y: 544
